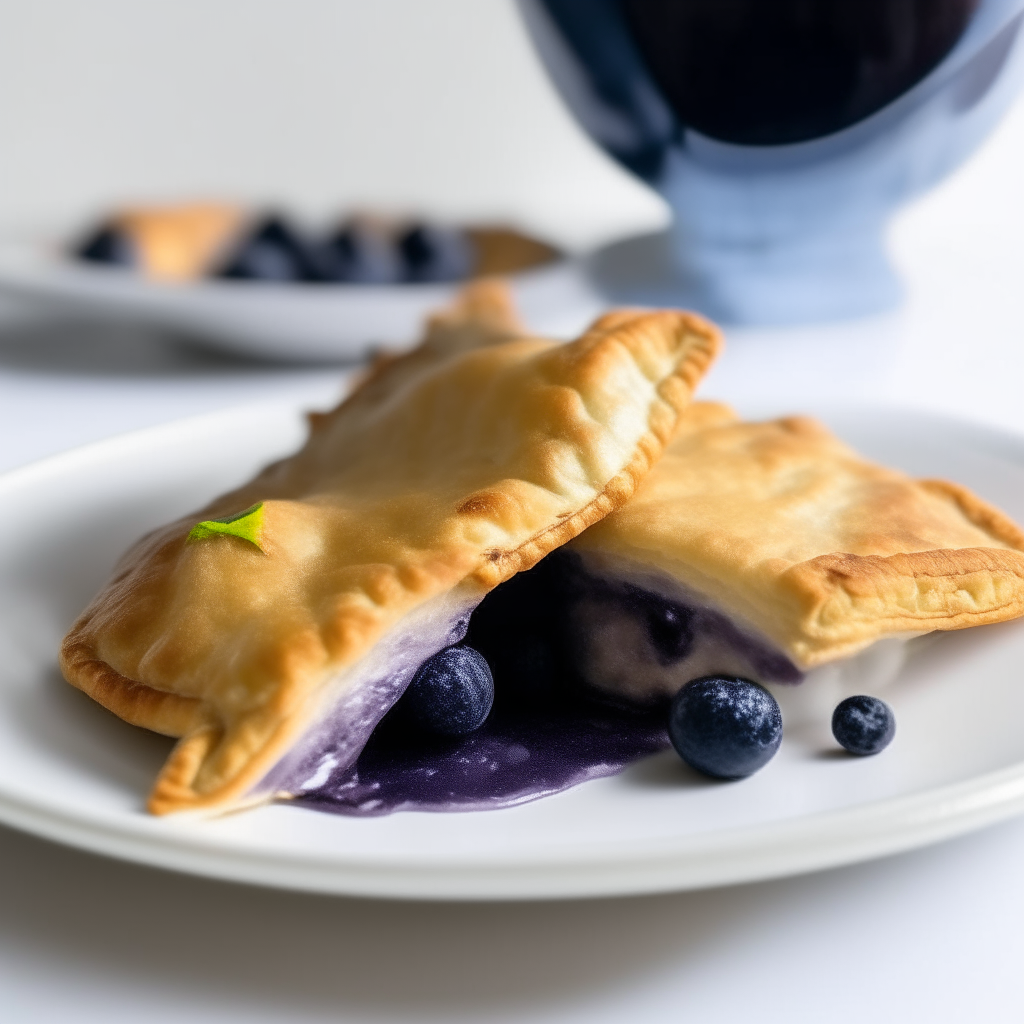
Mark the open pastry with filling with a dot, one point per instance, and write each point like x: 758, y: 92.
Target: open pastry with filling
x: 772, y: 551
x: 273, y: 629
x: 769, y: 551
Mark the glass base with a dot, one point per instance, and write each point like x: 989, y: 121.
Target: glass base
x: 802, y: 281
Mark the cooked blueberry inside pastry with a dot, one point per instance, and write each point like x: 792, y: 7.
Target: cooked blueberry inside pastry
x: 521, y: 752
x: 450, y: 695
x: 546, y: 731
x: 272, y: 630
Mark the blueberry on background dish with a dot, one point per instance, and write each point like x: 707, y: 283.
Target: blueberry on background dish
x: 724, y: 726
x: 451, y: 693
x: 431, y: 252
x: 108, y: 244
x: 272, y: 250
x: 362, y: 251
x: 863, y: 725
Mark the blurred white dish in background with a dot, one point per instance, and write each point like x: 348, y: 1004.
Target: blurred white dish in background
x: 294, y: 322
x: 74, y: 773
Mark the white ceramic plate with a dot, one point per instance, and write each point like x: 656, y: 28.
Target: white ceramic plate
x: 279, y: 321
x: 72, y: 772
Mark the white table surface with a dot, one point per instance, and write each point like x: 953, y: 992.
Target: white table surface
x: 934, y: 935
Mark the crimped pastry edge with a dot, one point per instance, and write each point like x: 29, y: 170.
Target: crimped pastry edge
x: 849, y: 601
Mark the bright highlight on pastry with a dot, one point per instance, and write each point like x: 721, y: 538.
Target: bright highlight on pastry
x: 247, y: 525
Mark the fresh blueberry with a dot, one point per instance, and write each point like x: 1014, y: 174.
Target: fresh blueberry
x: 668, y: 625
x: 108, y: 244
x: 725, y: 727
x: 863, y: 725
x: 451, y: 693
x: 435, y: 253
x: 363, y: 251
x: 272, y: 251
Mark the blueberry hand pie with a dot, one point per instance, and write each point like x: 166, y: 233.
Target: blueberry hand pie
x: 770, y: 550
x: 273, y: 629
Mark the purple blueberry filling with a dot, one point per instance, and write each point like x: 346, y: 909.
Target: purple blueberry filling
x: 559, y: 716
x: 507, y: 761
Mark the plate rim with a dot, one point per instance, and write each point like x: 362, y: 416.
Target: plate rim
x: 758, y: 853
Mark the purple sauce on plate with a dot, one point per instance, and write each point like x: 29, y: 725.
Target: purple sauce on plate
x: 509, y: 760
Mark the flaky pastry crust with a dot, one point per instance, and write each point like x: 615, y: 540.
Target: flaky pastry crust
x: 785, y: 527
x: 447, y: 471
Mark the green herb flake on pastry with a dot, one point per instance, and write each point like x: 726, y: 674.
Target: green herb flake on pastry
x: 247, y: 524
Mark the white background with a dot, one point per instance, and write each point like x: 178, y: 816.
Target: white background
x: 315, y: 104
x: 319, y: 105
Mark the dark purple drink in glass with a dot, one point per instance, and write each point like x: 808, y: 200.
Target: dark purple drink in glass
x: 783, y: 134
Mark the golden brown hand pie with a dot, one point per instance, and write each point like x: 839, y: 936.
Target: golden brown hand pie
x: 286, y: 617
x: 767, y: 549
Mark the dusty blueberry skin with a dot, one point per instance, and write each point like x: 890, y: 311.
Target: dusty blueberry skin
x: 450, y: 695
x: 863, y: 725
x: 725, y: 727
